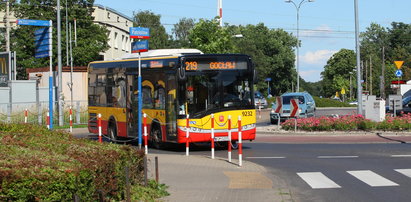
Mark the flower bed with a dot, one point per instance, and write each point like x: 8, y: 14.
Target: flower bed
x: 349, y: 122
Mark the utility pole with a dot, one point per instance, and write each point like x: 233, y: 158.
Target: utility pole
x: 382, y: 85
x: 357, y: 50
x: 67, y: 38
x: 6, y: 18
x: 60, y: 69
x: 370, y: 76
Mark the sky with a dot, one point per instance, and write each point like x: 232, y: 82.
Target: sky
x: 326, y: 26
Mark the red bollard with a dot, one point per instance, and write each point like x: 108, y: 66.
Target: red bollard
x: 145, y: 134
x: 26, y: 113
x: 48, y: 120
x: 212, y: 136
x: 71, y: 120
x: 240, y: 143
x: 100, y: 138
x: 187, y: 135
x: 229, y: 138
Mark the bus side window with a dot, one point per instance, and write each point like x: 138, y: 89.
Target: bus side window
x: 159, y: 96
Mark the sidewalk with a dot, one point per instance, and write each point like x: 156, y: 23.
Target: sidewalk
x: 200, y: 178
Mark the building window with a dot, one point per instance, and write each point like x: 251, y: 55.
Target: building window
x: 118, y: 19
x: 127, y: 45
x: 115, y: 40
x: 123, y: 42
x: 126, y: 23
x: 108, y: 15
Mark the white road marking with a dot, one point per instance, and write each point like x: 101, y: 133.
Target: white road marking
x: 336, y: 157
x: 406, y: 172
x: 401, y: 155
x: 317, y: 180
x: 371, y: 178
x: 266, y: 157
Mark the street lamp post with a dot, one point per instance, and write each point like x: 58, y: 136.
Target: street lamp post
x: 297, y: 7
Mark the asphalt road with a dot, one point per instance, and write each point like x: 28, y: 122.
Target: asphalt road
x: 338, y: 172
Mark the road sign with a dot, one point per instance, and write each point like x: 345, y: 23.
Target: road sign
x: 139, y: 46
x: 43, y: 23
x: 279, y: 107
x: 267, y: 79
x: 294, y: 107
x: 43, y: 42
x: 398, y: 64
x: 398, y: 73
x: 139, y: 33
x: 342, y: 91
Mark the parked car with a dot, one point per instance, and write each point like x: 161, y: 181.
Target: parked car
x: 406, y: 106
x: 260, y: 100
x: 306, y: 105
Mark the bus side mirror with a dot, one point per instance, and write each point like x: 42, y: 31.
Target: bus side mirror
x: 181, y: 74
x: 255, y: 77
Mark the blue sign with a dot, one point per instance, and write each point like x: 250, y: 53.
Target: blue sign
x: 42, y: 42
x: 139, y: 33
x: 268, y: 79
x: 41, y: 37
x: 44, y: 23
x: 43, y: 48
x: 139, y: 46
x: 41, y: 31
x: 398, y: 73
x: 42, y: 54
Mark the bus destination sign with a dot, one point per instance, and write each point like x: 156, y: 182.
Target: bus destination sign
x: 193, y: 64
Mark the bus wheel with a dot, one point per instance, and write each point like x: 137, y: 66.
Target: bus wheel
x: 234, y: 145
x: 221, y: 145
x: 156, y: 138
x: 112, y: 132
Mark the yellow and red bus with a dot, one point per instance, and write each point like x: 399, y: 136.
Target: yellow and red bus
x: 175, y: 83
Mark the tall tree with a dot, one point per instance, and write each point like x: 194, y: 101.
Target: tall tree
x: 158, y: 35
x: 336, y: 74
x: 209, y: 37
x: 400, y: 41
x: 91, y: 38
x: 272, y: 53
x: 181, y: 31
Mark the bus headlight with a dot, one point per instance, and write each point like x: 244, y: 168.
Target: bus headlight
x: 248, y: 127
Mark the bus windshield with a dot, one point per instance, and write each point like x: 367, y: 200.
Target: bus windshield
x: 212, y: 91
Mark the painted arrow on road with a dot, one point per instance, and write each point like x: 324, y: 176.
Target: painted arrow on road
x: 293, y: 107
x: 279, y: 105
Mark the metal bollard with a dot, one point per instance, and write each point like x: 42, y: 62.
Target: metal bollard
x: 187, y: 135
x: 229, y: 138
x: 145, y: 134
x: 212, y: 136
x: 100, y: 138
x: 240, y: 143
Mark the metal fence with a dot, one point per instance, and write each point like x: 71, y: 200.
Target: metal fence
x: 36, y: 113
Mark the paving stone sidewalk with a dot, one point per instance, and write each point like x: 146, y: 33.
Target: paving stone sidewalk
x: 200, y: 178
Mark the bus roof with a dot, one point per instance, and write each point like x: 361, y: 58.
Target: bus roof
x: 163, y: 53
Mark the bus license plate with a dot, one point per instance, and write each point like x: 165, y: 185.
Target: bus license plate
x: 221, y: 139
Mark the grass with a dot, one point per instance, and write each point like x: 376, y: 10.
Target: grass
x: 41, y: 165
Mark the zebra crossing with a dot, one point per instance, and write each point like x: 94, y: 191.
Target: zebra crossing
x: 317, y: 180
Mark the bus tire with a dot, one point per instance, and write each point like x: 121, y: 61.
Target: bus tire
x: 234, y: 145
x: 224, y: 145
x: 112, y: 131
x: 156, y: 137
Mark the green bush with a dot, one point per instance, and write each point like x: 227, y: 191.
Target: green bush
x: 41, y: 165
x: 326, y: 102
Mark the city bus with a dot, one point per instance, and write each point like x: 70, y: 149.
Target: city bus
x: 175, y: 83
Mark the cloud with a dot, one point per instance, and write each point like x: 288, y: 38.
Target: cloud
x: 318, y: 57
x: 317, y: 32
x: 311, y: 75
